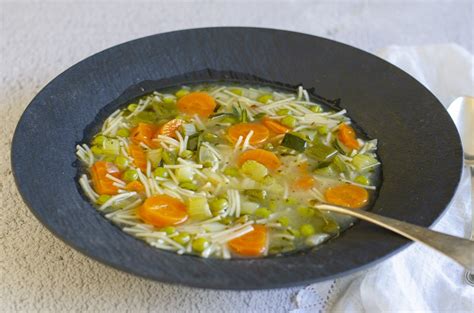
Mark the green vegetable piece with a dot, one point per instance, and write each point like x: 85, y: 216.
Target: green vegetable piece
x: 283, y: 112
x: 284, y: 221
x: 111, y: 146
x: 256, y: 194
x: 169, y: 99
x: 121, y: 162
x: 289, y: 121
x: 182, y: 238
x: 254, y: 170
x: 259, y: 116
x: 328, y: 171
x: 321, y: 152
x: 268, y: 180
x: 294, y: 232
x: 272, y: 205
x: 185, y: 174
x: 331, y: 227
x: 305, y: 211
x: 236, y: 91
x: 169, y: 157
x: 160, y: 172
x: 361, y: 179
x: 218, y: 206
x: 262, y: 212
x: 123, y: 132
x: 132, y: 107
x: 229, y: 120
x: 187, y: 154
x: 154, y: 155
x: 198, y: 208
x: 207, y: 157
x: 200, y: 244
x: 291, y: 201
x: 307, y: 230
x: 169, y: 230
x: 340, y: 165
x: 265, y: 98
x: 188, y: 129
x: 99, y: 140
x: 231, y: 171
x: 103, y: 199
x: 165, y: 111
x: 210, y: 137
x: 363, y: 162
x: 96, y: 150
x: 193, y: 142
x: 316, y: 108
x: 130, y: 175
x: 189, y: 186
x: 181, y: 93
x: 226, y: 220
x: 294, y: 142
x: 322, y: 130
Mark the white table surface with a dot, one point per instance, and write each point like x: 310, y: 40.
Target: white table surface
x: 38, y: 272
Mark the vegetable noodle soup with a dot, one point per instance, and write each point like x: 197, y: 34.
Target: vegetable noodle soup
x: 228, y: 170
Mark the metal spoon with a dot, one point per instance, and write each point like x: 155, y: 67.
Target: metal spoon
x: 462, y: 113
x: 459, y: 249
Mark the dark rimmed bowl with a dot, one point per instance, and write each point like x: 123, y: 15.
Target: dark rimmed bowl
x: 418, y: 145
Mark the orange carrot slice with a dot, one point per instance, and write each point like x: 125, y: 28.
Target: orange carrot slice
x: 143, y: 133
x: 103, y: 185
x: 135, y: 186
x: 267, y: 158
x: 260, y: 132
x: 199, y: 103
x: 138, y: 155
x: 275, y: 126
x: 169, y: 128
x: 347, y: 136
x: 162, y: 211
x: 304, y: 183
x: 347, y: 195
x: 252, y: 243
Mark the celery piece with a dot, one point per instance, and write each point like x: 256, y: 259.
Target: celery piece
x: 154, y: 156
x: 198, y: 208
x: 362, y: 162
x: 320, y: 152
x: 254, y: 170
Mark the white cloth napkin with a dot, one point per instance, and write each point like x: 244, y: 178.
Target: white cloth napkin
x: 417, y: 279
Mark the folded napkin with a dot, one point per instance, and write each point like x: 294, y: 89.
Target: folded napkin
x: 417, y: 279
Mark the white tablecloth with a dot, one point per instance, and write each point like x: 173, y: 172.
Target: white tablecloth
x: 40, y: 39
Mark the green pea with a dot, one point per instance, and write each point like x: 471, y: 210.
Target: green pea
x: 226, y: 220
x: 322, y: 130
x: 168, y: 100
x: 289, y: 121
x: 189, y: 186
x: 307, y: 230
x: 305, y: 211
x: 256, y: 194
x: 96, y: 150
x: 121, y: 162
x: 181, y: 93
x: 103, y: 199
x: 284, y: 221
x: 160, y: 172
x: 132, y: 107
x: 316, y: 108
x: 123, y: 132
x: 236, y: 91
x: 130, y: 175
x: 169, y: 230
x: 265, y: 98
x: 200, y: 244
x: 231, y: 171
x: 362, y: 180
x: 182, y: 238
x: 187, y: 154
x: 262, y: 212
x: 99, y: 140
x: 169, y: 157
x: 110, y: 159
x: 283, y: 112
x: 218, y: 205
x: 207, y: 164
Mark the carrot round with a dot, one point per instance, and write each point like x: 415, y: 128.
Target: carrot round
x: 304, y: 183
x: 253, y: 243
x: 275, y: 126
x: 199, y: 103
x: 347, y: 195
x: 260, y: 132
x: 267, y: 158
x: 169, y: 128
x: 143, y: 133
x: 347, y: 136
x: 138, y: 155
x: 135, y: 186
x: 103, y: 185
x: 162, y: 211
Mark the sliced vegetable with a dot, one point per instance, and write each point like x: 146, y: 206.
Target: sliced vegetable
x: 363, y: 162
x: 267, y: 158
x: 110, y: 147
x: 289, y: 121
x: 305, y: 182
x: 260, y: 132
x: 188, y: 129
x: 162, y: 211
x: 200, y: 103
x: 200, y: 244
x: 265, y: 98
x: 193, y: 142
x: 321, y: 152
x: 101, y: 183
x: 130, y: 175
x: 135, y: 186
x: 218, y: 206
x: 185, y: 174
x: 328, y: 171
x: 294, y: 142
x: 143, y: 133
x: 275, y: 126
x: 154, y: 155
x: 347, y: 136
x: 256, y: 194
x: 198, y: 208
x: 253, y: 243
x: 347, y: 195
x: 170, y: 128
x: 254, y: 170
x: 138, y: 155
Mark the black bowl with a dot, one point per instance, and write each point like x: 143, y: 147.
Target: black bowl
x: 418, y: 145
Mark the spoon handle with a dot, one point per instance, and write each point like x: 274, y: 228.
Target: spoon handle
x: 459, y: 249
